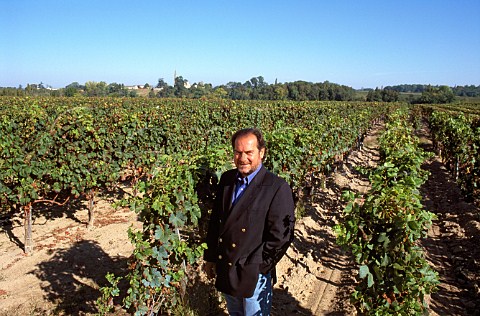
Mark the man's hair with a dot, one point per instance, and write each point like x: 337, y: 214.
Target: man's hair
x: 249, y: 131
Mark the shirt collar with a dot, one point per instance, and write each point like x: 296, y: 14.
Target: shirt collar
x: 250, y: 177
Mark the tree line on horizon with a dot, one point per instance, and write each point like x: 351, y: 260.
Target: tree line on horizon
x: 254, y: 89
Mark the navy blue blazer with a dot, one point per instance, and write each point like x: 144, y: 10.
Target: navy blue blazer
x: 253, y: 235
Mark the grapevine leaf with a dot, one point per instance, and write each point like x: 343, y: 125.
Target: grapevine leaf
x: 363, y: 271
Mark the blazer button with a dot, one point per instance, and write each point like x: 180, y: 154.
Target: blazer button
x: 220, y: 240
x: 219, y: 256
x: 243, y: 230
x: 230, y: 264
x: 233, y: 245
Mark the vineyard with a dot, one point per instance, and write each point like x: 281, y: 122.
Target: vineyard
x: 165, y: 156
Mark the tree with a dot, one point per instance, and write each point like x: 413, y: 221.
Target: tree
x: 161, y: 84
x: 254, y: 82
x: 273, y: 92
x: 442, y: 94
x: 166, y: 92
x: 96, y: 89
x: 292, y: 92
x: 220, y: 93
x: 236, y: 91
x: 72, y: 89
x: 180, y: 87
x: 389, y: 95
x: 445, y: 94
x: 467, y: 91
x: 199, y: 90
x: 382, y: 95
x: 116, y: 89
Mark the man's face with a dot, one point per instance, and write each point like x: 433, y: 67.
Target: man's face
x: 247, y: 157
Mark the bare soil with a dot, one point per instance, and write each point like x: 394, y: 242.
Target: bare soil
x: 316, y: 277
x: 452, y: 245
x: 69, y: 263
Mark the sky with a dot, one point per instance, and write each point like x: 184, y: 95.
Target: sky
x: 361, y: 44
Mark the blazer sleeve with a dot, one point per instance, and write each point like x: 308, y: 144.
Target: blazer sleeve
x: 279, y: 231
x: 211, y: 253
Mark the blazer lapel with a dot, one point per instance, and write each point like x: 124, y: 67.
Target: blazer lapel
x: 227, y: 198
x: 238, y: 210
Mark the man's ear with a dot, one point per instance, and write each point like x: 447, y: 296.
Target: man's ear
x: 262, y: 153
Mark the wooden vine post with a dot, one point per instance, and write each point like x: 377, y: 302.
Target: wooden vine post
x: 27, y: 221
x: 27, y: 211
x: 91, y: 208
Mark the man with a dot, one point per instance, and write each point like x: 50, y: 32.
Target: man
x: 250, y: 228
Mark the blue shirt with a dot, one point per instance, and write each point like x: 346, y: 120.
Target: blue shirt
x: 242, y: 183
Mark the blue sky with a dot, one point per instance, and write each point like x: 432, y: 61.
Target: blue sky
x: 355, y: 43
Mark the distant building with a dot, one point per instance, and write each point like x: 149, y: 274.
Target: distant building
x: 135, y: 87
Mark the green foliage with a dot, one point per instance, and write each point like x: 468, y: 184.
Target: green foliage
x: 81, y: 146
x: 385, y: 95
x: 168, y: 207
x: 105, y: 302
x: 168, y: 204
x: 456, y: 136
x: 442, y: 94
x: 463, y: 91
x: 172, y: 151
x: 382, y: 232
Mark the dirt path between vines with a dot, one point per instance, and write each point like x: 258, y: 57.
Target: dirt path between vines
x: 452, y: 246
x: 69, y: 262
x: 316, y: 277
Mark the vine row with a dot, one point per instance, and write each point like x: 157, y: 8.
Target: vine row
x: 456, y: 138
x: 382, y: 232
x: 172, y: 153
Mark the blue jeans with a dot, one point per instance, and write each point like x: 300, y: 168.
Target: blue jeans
x: 259, y: 304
